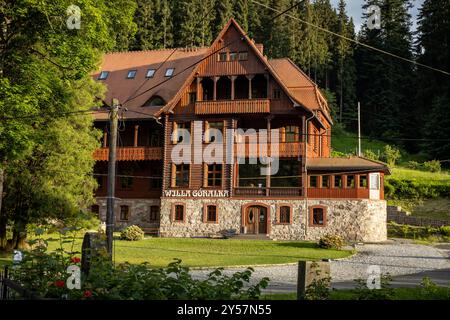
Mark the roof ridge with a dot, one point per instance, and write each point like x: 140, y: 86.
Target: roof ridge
x: 182, y: 49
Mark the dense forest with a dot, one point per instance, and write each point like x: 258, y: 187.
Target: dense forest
x: 402, y: 103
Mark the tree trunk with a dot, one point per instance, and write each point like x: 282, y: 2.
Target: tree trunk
x: 2, y: 215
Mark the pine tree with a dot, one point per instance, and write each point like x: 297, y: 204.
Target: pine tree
x: 223, y: 12
x: 433, y: 88
x: 344, y: 67
x: 385, y: 83
x: 241, y: 13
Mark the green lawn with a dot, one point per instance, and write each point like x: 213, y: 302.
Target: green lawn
x: 212, y: 252
x: 441, y: 293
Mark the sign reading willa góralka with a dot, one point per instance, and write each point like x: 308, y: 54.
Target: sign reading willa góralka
x: 197, y: 193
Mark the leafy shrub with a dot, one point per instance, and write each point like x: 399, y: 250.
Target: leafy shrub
x: 391, y: 155
x: 369, y: 154
x: 432, y: 166
x: 132, y: 233
x: 45, y: 274
x: 385, y: 292
x: 338, y: 154
x: 445, y: 230
x: 330, y: 241
x: 414, y: 165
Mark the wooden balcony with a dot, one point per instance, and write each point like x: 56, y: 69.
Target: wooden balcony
x: 285, y: 150
x: 232, y: 106
x: 131, y: 154
x: 264, y: 192
x: 338, y: 193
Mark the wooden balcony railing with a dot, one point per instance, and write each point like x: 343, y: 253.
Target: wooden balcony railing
x: 232, y: 106
x: 131, y: 154
x: 285, y: 149
x: 338, y: 193
x: 263, y: 192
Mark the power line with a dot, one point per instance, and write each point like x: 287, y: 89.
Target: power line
x: 167, y: 58
x: 355, y: 41
x: 53, y: 115
x: 209, y: 55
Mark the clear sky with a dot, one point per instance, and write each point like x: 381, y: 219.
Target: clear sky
x: 354, y: 9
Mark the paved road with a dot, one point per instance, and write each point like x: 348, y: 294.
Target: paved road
x: 406, y: 262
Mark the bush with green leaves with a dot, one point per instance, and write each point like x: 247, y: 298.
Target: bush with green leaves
x: 445, y: 230
x: 391, y: 155
x: 369, y: 154
x: 385, y: 292
x: 132, y: 233
x: 414, y: 165
x: 331, y: 241
x: 45, y: 274
x: 432, y: 166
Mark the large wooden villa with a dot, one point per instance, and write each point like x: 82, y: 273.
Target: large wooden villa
x: 235, y: 86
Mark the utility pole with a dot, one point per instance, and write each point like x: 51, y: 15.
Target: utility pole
x: 113, y: 120
x: 359, y: 129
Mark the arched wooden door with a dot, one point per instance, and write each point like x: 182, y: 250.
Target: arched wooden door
x: 256, y: 220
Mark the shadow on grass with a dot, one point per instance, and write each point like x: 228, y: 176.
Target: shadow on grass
x: 299, y: 245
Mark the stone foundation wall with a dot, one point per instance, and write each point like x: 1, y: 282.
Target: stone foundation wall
x: 355, y: 220
x: 139, y: 211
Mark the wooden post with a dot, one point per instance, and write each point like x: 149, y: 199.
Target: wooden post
x: 113, y: 118
x: 199, y: 92
x: 105, y: 139
x: 267, y: 85
x: 232, y: 86
x: 250, y: 78
x: 308, y: 271
x: 215, y: 79
x: 136, y: 134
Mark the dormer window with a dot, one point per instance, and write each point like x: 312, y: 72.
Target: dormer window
x: 150, y: 73
x: 103, y: 75
x: 169, y: 72
x: 155, y: 101
x: 131, y: 74
x: 243, y: 55
x: 222, y: 57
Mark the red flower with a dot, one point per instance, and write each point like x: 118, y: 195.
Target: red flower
x: 60, y: 283
x: 87, y: 294
x: 75, y: 260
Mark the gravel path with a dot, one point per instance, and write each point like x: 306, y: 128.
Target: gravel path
x: 396, y: 258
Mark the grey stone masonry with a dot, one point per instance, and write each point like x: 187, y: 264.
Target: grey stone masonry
x: 139, y: 212
x: 355, y: 220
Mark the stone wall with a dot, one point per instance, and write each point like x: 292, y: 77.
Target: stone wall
x: 355, y: 220
x: 139, y: 211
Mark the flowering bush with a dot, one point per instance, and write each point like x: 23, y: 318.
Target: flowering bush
x: 330, y: 241
x: 132, y: 233
x: 46, y: 274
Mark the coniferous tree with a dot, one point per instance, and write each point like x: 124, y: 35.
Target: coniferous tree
x: 223, y: 12
x: 241, y: 13
x: 433, y: 88
x: 384, y: 82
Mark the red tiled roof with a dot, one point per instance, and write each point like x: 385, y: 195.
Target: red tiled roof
x: 295, y: 82
x: 303, y: 89
x: 118, y: 86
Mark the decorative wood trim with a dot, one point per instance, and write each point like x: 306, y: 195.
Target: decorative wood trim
x: 311, y: 210
x: 259, y: 204
x: 172, y: 212
x: 291, y: 213
x: 205, y: 213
